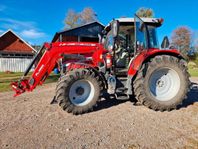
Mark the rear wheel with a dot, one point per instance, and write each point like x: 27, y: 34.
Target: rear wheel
x: 163, y: 83
x: 78, y: 91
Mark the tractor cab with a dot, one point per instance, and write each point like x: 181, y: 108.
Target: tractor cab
x: 124, y: 38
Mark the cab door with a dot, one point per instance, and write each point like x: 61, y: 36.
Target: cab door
x: 141, y: 33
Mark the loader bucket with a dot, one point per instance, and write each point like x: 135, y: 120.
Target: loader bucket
x: 20, y: 87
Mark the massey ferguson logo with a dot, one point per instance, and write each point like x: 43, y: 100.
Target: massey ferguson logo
x: 39, y: 70
x: 77, y: 44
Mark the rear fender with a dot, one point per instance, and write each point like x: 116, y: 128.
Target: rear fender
x: 145, y: 56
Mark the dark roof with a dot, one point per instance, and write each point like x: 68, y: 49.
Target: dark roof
x: 80, y: 31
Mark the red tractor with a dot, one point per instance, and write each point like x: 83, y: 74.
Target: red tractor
x: 127, y: 61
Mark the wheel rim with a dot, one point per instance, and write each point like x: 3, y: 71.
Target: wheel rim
x: 81, y: 92
x: 164, y: 84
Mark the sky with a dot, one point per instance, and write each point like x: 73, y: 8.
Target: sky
x: 37, y: 21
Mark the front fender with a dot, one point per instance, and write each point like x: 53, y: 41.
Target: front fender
x: 76, y: 65
x: 137, y: 62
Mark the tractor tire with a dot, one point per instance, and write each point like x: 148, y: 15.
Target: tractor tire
x: 79, y: 91
x: 162, y: 84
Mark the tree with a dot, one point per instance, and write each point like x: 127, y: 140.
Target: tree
x: 88, y: 15
x: 145, y: 12
x: 72, y: 19
x: 195, y: 40
x: 181, y: 39
x: 36, y: 47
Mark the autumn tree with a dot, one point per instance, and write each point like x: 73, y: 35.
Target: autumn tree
x: 88, y: 15
x: 72, y: 19
x: 181, y: 39
x: 195, y: 40
x: 145, y: 12
x: 196, y: 48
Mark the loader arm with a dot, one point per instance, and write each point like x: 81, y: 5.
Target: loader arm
x: 47, y: 58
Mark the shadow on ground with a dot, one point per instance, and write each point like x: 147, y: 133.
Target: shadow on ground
x: 192, y: 97
x: 109, y: 102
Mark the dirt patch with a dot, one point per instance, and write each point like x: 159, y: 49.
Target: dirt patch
x: 29, y: 121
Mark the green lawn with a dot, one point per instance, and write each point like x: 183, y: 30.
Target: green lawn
x: 6, y: 79
x: 193, y: 72
x: 11, y: 74
x: 4, y: 87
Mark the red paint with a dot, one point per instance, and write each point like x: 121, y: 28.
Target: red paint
x: 137, y: 62
x: 92, y: 52
x: 109, y: 60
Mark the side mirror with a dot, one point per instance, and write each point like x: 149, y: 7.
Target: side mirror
x: 115, y: 28
x: 103, y: 40
x: 104, y: 32
x: 165, y: 43
x: 100, y: 38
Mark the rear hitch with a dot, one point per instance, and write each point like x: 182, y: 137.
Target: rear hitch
x: 20, y: 87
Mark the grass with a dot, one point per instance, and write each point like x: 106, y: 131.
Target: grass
x: 4, y: 87
x: 7, y: 78
x: 10, y: 74
x: 193, y: 72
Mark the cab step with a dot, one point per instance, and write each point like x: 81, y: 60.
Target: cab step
x: 121, y: 96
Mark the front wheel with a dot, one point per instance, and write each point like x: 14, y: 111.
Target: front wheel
x: 78, y: 91
x: 163, y: 83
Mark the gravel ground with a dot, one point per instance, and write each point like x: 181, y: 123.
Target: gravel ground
x: 29, y: 121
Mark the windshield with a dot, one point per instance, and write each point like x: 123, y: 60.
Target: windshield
x: 109, y: 41
x: 146, y: 36
x: 153, y: 42
x: 140, y: 35
x: 126, y: 36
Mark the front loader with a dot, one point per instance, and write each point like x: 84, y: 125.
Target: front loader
x: 127, y: 61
